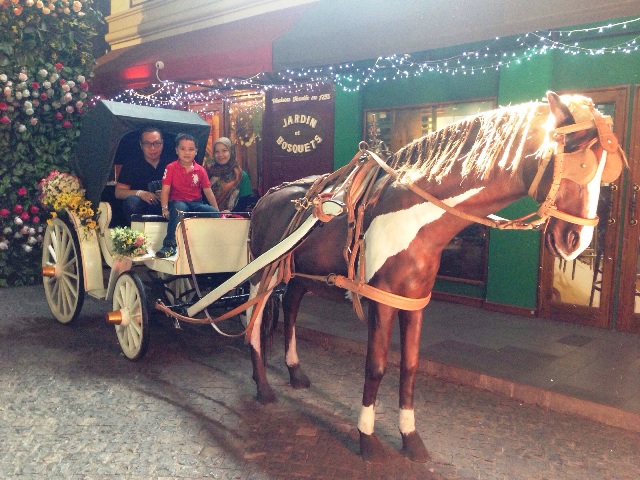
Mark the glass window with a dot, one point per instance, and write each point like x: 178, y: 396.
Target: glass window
x: 465, y: 257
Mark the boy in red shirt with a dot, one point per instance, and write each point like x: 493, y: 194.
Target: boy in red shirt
x: 182, y: 186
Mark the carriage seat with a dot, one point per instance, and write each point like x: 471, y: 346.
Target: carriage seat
x: 216, y: 244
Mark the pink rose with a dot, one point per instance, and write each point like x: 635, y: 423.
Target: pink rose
x: 4, y: 212
x: 3, y: 106
x: 17, y: 209
x: 84, y: 86
x: 62, y: 81
x: 58, y: 115
x: 5, y: 120
x: 34, y: 209
x: 80, y: 111
x: 22, y: 191
x: 43, y: 96
x: 67, y: 124
x: 36, y: 219
x: 24, y: 216
x: 58, y: 66
x: 35, y: 85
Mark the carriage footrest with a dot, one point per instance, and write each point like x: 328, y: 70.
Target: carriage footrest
x: 99, y: 293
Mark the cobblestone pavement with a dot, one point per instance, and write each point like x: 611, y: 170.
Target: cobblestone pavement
x: 72, y: 407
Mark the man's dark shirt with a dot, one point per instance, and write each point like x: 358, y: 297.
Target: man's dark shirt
x: 137, y: 173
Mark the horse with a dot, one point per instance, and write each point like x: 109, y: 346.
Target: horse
x: 557, y: 151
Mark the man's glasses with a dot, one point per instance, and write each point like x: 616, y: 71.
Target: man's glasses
x: 151, y: 144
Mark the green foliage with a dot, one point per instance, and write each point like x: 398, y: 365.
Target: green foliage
x: 45, y: 68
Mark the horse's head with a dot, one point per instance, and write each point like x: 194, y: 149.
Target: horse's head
x: 582, y: 153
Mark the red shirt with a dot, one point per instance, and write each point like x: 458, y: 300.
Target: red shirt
x: 185, y: 186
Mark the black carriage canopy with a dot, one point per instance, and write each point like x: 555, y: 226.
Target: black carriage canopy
x: 109, y: 128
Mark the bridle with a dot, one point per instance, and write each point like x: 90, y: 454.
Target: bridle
x: 579, y: 166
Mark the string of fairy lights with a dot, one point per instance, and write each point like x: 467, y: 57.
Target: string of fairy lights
x: 497, y: 54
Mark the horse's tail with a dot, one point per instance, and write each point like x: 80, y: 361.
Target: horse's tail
x: 270, y: 316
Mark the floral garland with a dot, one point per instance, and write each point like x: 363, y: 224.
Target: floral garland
x: 24, y: 230
x: 129, y: 243
x: 29, y: 94
x: 63, y: 191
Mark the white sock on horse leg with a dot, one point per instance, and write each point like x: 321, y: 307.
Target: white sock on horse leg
x: 291, y: 355
x: 407, y: 421
x: 367, y: 420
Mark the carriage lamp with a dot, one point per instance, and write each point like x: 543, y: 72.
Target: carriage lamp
x: 49, y: 271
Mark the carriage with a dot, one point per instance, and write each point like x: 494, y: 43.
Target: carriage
x: 78, y: 262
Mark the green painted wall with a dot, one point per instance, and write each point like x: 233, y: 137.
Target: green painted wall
x: 513, y: 255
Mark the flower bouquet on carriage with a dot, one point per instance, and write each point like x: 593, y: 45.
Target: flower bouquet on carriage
x: 128, y: 243
x: 63, y: 191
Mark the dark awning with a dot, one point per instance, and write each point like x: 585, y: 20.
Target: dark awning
x: 337, y: 32
x: 240, y: 48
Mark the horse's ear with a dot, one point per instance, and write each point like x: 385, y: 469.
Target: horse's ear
x: 559, y: 110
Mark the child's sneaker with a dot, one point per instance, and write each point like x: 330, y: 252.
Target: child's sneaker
x: 166, y: 252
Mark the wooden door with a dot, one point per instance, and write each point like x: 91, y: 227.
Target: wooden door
x: 585, y: 290
x: 628, y: 311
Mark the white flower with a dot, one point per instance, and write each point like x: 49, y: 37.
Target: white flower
x: 17, y: 235
x: 69, y: 109
x: 29, y: 3
x: 71, y: 83
x: 80, y: 78
x: 24, y: 230
x: 18, y: 221
x: 32, y: 241
x: 26, y: 93
x: 7, y: 230
x: 28, y: 104
x: 83, y: 95
x: 29, y: 111
x: 4, y: 245
x: 7, y: 91
x: 32, y: 231
x: 79, y: 104
x: 39, y: 4
x: 18, y: 95
x: 42, y: 73
x: 3, y: 78
x: 22, y: 128
x: 66, y: 10
x: 27, y: 248
x: 22, y: 77
x: 46, y: 11
x: 46, y: 84
x: 77, y: 6
x: 51, y: 92
x: 67, y: 97
x: 34, y: 121
x: 54, y: 76
x: 46, y: 107
x: 55, y: 105
x: 66, y: 87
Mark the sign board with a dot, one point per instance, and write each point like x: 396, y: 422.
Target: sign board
x: 297, y: 135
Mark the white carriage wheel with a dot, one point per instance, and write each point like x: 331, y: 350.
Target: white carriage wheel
x: 130, y: 298
x: 63, y: 277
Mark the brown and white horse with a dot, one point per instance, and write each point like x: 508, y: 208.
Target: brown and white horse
x: 478, y: 166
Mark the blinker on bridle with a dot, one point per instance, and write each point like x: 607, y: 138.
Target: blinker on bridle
x: 579, y: 166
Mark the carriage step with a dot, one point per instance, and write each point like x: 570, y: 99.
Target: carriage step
x: 99, y: 293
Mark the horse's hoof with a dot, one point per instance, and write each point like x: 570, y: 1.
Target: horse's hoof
x: 266, y: 396
x: 298, y: 378
x: 413, y: 448
x: 371, y: 449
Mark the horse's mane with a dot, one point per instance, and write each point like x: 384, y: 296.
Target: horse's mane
x: 479, y: 143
